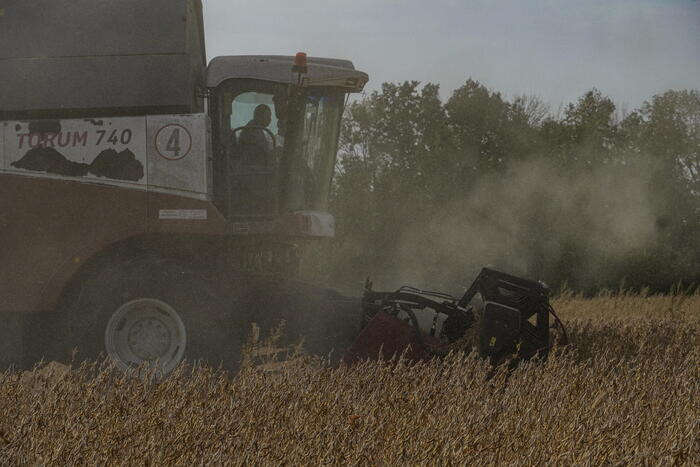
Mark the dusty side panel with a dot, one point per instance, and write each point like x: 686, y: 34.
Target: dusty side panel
x: 11, y: 347
x: 10, y: 323
x: 177, y: 154
x: 99, y: 57
x: 95, y: 86
x: 102, y: 150
x: 71, y: 28
x: 3, y: 128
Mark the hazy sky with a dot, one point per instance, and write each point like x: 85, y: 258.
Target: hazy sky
x: 629, y: 49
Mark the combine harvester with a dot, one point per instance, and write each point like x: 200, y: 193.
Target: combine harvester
x: 152, y: 207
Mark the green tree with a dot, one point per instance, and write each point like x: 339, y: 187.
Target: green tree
x: 408, y: 163
x: 586, y: 135
x: 671, y: 135
x: 479, y: 118
x: 394, y: 151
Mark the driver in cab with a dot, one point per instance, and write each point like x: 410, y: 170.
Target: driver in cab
x: 255, y: 137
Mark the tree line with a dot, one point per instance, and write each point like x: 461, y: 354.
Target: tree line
x: 427, y: 191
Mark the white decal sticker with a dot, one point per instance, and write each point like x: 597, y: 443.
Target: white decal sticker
x: 196, y: 214
x: 98, y: 149
x: 241, y: 227
x: 177, y: 153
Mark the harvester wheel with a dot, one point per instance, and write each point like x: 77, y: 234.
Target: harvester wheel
x: 154, y: 312
x: 146, y: 330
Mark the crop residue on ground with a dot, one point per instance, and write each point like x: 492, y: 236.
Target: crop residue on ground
x: 626, y: 391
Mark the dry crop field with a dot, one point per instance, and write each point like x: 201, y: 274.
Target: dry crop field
x: 626, y: 391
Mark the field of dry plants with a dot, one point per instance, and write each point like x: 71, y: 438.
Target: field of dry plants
x: 627, y: 390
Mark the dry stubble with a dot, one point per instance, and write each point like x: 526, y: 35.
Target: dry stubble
x: 625, y: 391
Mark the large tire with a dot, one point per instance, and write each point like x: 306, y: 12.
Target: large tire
x: 150, y: 310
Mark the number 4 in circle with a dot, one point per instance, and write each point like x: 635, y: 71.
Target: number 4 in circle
x: 173, y: 142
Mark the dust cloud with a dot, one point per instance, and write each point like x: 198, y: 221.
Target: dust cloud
x: 532, y: 221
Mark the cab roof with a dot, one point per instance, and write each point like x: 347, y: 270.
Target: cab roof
x: 278, y: 69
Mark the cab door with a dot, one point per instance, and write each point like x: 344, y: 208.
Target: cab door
x: 250, y: 142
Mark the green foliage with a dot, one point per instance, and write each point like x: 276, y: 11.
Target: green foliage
x: 433, y: 190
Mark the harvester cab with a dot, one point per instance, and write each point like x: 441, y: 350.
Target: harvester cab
x: 275, y: 125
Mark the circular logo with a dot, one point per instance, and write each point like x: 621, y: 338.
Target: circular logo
x: 173, y: 142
